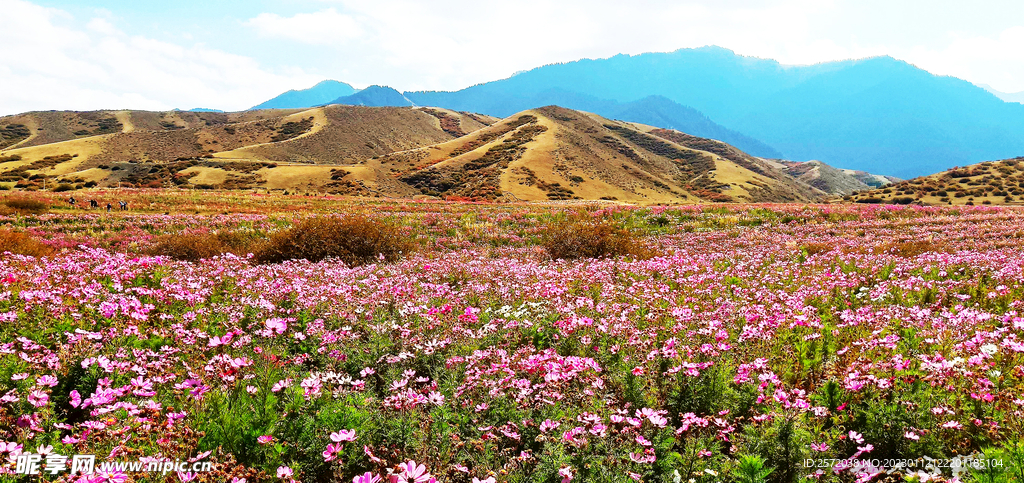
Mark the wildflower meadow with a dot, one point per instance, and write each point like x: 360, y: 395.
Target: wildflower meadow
x: 746, y: 343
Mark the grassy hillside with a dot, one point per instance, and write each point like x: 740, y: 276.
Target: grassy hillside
x: 879, y: 115
x: 273, y: 149
x: 988, y: 183
x: 553, y: 153
x: 549, y: 153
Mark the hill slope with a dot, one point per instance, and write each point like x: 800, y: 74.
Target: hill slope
x: 317, y: 95
x: 653, y: 110
x: 878, y: 114
x: 553, y: 153
x: 549, y: 153
x: 993, y: 182
x: 277, y: 149
x: 375, y: 96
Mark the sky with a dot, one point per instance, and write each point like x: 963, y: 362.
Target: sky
x: 233, y: 54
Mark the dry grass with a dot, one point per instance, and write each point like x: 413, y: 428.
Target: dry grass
x: 198, y: 246
x: 22, y: 244
x: 581, y: 238
x: 355, y: 240
x: 911, y: 249
x: 24, y: 206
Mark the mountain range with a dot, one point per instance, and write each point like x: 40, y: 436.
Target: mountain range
x: 320, y: 94
x: 546, y: 153
x: 877, y: 114
x: 1006, y: 96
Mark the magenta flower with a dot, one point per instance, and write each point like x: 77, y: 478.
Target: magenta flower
x: 331, y: 453
x: 38, y: 398
x: 277, y: 325
x: 265, y: 439
x: 366, y: 478
x: 412, y: 473
x: 344, y: 435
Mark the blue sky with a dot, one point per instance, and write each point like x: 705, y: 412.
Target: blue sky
x: 229, y: 54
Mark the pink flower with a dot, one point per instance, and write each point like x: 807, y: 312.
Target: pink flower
x: 284, y: 472
x: 277, y: 325
x: 911, y: 435
x: 38, y: 398
x: 46, y: 380
x: 548, y: 425
x: 490, y: 479
x: 566, y: 473
x: 820, y: 447
x: 856, y: 437
x: 344, y: 435
x: 366, y: 478
x: 265, y: 439
x: 412, y: 473
x: 281, y: 385
x: 109, y: 476
x: 332, y: 451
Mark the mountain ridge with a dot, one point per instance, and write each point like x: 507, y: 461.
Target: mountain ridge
x: 547, y: 153
x: 826, y: 111
x: 321, y: 93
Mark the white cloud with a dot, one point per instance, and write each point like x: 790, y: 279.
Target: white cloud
x: 54, y: 61
x: 997, y: 60
x: 326, y: 27
x: 434, y: 45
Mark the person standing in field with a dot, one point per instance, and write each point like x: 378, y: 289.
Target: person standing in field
x: 109, y: 207
x: 124, y: 205
x: 72, y: 201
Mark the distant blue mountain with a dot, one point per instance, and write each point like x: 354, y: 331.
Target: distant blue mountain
x: 319, y: 94
x: 879, y: 114
x: 204, y: 109
x: 376, y: 96
x: 1006, y: 96
x: 652, y: 110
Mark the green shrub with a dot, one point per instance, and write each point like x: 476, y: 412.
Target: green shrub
x: 750, y: 469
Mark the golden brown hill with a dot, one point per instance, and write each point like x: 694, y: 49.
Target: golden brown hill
x: 226, y: 150
x: 355, y: 133
x: 549, y: 153
x: 47, y: 127
x: 989, y: 183
x: 552, y: 153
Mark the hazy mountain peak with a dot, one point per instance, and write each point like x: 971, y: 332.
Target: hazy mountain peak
x: 321, y: 93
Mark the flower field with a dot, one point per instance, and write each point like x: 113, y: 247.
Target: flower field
x: 773, y: 343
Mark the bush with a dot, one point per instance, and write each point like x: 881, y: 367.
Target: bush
x: 26, y: 206
x: 581, y: 238
x: 198, y: 246
x: 22, y: 244
x: 354, y: 240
